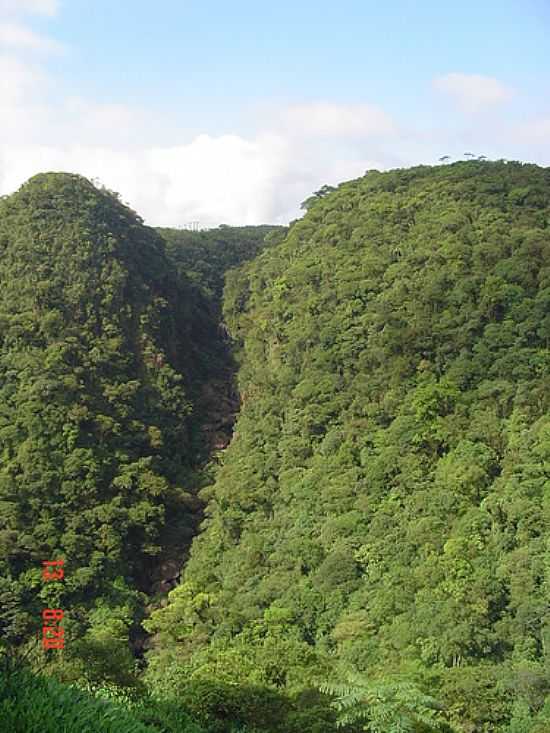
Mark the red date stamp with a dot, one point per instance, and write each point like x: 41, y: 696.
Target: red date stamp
x: 52, y: 631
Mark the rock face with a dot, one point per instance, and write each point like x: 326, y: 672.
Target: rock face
x: 166, y: 576
x: 217, y: 406
x: 220, y: 405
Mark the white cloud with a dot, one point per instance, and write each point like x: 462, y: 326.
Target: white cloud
x: 335, y: 120
x: 95, y: 123
x: 18, y: 81
x: 230, y: 175
x: 234, y: 179
x: 226, y: 179
x: 257, y: 177
x: 473, y: 92
x: 40, y: 7
x: 29, y: 115
x: 15, y: 35
x: 535, y: 131
x: 24, y: 110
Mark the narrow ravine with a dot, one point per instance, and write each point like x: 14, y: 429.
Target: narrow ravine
x: 216, y: 408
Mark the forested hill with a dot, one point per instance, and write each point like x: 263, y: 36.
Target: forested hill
x: 110, y: 355
x: 96, y: 430
x: 383, y: 507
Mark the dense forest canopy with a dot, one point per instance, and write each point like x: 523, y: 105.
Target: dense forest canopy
x: 206, y: 256
x: 374, y: 551
x: 383, y: 505
x: 95, y: 423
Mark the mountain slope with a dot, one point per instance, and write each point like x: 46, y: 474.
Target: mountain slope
x: 383, y: 504
x: 98, y: 346
x: 204, y: 259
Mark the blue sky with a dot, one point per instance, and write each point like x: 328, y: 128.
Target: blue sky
x: 235, y: 112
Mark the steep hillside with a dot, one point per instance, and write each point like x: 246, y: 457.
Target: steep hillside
x: 204, y: 259
x: 102, y: 348
x: 383, y: 506
x: 116, y: 384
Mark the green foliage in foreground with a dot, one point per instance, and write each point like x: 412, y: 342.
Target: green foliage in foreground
x: 384, y: 505
x: 386, y: 707
x: 31, y: 703
x: 35, y: 704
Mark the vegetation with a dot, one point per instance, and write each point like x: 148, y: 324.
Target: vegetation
x: 374, y: 553
x: 96, y: 429
x: 205, y: 257
x: 35, y: 704
x: 383, y: 506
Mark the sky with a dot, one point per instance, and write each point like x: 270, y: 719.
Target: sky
x: 235, y: 112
